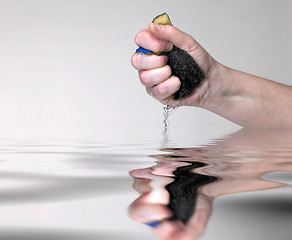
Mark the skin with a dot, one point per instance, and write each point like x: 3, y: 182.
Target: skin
x: 240, y: 162
x: 247, y: 100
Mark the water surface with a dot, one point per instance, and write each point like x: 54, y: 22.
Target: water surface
x: 80, y: 188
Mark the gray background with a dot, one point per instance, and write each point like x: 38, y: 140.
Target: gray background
x: 65, y: 64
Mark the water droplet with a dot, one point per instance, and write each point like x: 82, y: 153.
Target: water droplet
x: 167, y: 111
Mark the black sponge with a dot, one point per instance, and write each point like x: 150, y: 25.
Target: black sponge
x: 186, y: 69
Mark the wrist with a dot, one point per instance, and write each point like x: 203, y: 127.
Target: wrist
x: 218, y: 87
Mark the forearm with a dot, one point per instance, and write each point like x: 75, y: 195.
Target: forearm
x: 248, y: 100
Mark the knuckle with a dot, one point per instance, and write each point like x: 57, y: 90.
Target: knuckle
x: 168, y: 70
x: 191, y: 45
x: 145, y: 78
x: 171, y: 30
x: 138, y: 37
x: 148, y: 90
x: 162, y: 61
x: 157, y: 47
x: 160, y: 46
x: 135, y: 61
x: 162, y: 90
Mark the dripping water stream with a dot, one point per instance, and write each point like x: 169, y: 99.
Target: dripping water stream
x: 167, y: 111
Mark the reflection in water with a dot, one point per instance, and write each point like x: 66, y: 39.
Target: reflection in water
x: 183, y: 190
x: 38, y: 171
x: 177, y: 193
x: 60, y: 234
x: 60, y: 189
x: 48, y: 188
x: 65, y: 189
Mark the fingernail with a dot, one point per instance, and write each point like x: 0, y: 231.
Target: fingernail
x: 158, y: 27
x: 153, y: 224
x: 169, y: 46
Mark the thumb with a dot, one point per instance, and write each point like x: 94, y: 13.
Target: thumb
x: 177, y: 37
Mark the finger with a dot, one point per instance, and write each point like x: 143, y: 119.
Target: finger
x: 142, y: 180
x: 142, y: 185
x: 147, y: 40
x: 143, y: 212
x: 146, y: 62
x: 150, y: 78
x: 144, y: 173
x: 165, y: 89
x: 170, y: 230
x: 172, y: 34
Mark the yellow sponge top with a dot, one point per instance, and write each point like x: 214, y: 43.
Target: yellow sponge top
x: 162, y: 19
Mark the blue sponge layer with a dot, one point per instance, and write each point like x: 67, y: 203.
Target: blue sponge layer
x: 153, y: 224
x: 143, y: 50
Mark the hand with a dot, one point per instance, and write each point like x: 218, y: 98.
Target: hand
x: 247, y: 100
x: 156, y: 76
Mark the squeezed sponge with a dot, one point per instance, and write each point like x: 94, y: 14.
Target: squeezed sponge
x: 186, y: 69
x: 181, y: 63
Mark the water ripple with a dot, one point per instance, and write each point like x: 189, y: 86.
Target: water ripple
x: 177, y: 185
x: 65, y: 234
x: 249, y: 160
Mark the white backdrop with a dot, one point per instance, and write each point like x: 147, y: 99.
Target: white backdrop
x: 65, y: 64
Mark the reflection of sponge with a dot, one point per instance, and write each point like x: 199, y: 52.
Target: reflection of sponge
x: 183, y: 190
x: 181, y: 63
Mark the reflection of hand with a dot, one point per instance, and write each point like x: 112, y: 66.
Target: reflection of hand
x: 151, y: 207
x: 242, y: 159
x: 239, y: 161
